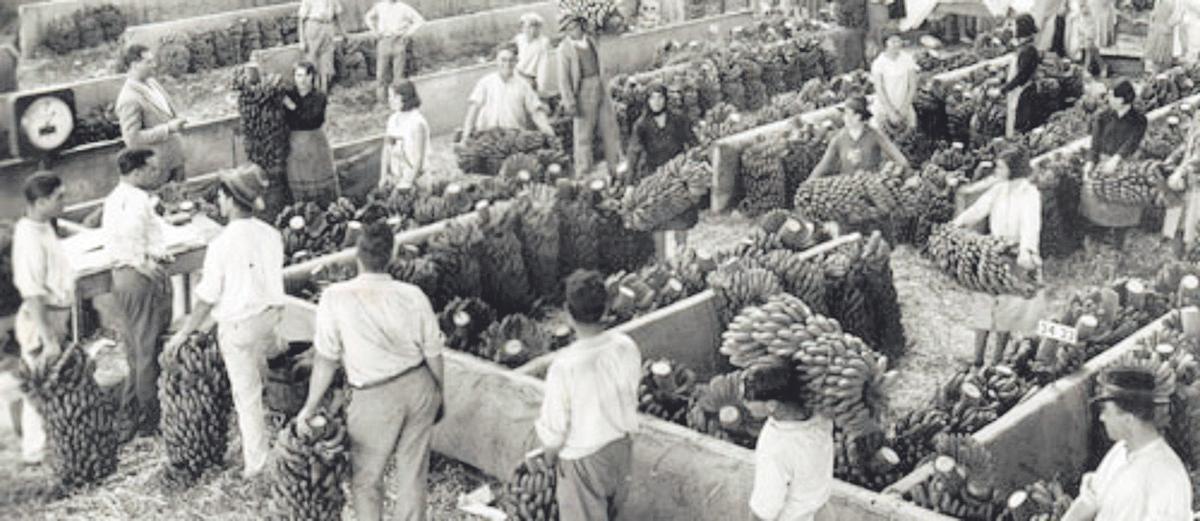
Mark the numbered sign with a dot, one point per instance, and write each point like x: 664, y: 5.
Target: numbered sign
x: 1056, y: 331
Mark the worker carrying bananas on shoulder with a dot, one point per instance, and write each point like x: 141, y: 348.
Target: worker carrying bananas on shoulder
x: 1141, y: 478
x: 241, y: 287
x: 385, y: 335
x: 589, y: 412
x: 1012, y: 206
x: 793, y: 457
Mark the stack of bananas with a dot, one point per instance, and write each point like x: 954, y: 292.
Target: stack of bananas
x: 852, y: 199
x: 504, y: 276
x: 265, y: 133
x: 77, y: 415
x: 487, y: 150
x: 463, y: 321
x: 1039, y: 501
x: 974, y: 397
x: 538, y: 231
x: 1134, y: 183
x: 912, y: 435
x: 843, y: 377
x: 764, y: 181
x: 580, y: 225
x: 633, y: 294
x: 423, y: 273
x: 666, y: 390
x: 979, y: 262
x: 196, y: 400
x: 676, y: 187
x: 515, y: 340
x: 309, y: 469
x: 621, y: 248
x: 717, y: 409
x: 803, y: 278
x: 530, y: 494
x: 456, y: 252
x: 864, y: 460
x: 741, y: 284
x: 962, y: 482
x: 794, y: 232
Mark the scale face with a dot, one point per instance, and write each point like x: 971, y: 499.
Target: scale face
x: 44, y: 122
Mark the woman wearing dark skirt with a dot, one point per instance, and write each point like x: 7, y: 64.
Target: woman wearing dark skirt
x: 1022, y: 105
x: 310, y: 172
x: 657, y: 137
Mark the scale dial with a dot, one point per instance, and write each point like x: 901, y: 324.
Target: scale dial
x: 47, y: 123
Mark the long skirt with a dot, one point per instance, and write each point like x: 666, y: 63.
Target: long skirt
x: 310, y: 172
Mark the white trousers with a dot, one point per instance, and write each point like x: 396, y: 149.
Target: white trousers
x: 245, y: 345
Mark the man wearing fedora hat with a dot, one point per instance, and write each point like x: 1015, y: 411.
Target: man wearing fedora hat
x: 1141, y: 478
x: 857, y: 146
x: 241, y: 286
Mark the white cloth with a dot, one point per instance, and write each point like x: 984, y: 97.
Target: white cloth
x: 1189, y: 31
x: 793, y: 469
x: 133, y: 229
x: 394, y: 18
x: 504, y: 104
x: 533, y: 59
x: 40, y: 266
x: 406, y: 129
x: 591, y: 395
x: 243, y: 271
x: 377, y: 327
x: 245, y: 345
x: 897, y: 75
x: 323, y: 10
x: 1149, y: 484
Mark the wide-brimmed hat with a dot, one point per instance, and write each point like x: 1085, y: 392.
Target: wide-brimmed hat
x: 1135, y: 384
x: 246, y: 185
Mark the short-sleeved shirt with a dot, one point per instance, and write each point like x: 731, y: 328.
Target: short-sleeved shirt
x: 793, y: 469
x: 1149, y: 484
x: 504, y: 104
x: 378, y: 327
x: 406, y: 129
x: 41, y: 268
x: 320, y: 10
x: 243, y: 271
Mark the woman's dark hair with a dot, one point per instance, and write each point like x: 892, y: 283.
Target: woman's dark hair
x: 1026, y: 27
x: 308, y: 68
x: 134, y: 53
x: 1124, y: 90
x: 408, y: 93
x: 131, y: 159
x: 772, y: 382
x: 586, y: 296
x: 1017, y: 161
x: 375, y: 246
x: 41, y: 184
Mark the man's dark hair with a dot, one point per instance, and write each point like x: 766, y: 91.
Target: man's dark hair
x: 1124, y: 90
x: 131, y: 159
x: 773, y: 382
x: 1017, y: 161
x: 41, y: 184
x: 586, y: 296
x: 133, y: 54
x: 1026, y: 26
x: 408, y: 94
x: 375, y: 246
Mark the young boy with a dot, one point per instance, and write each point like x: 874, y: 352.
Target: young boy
x: 590, y: 408
x: 793, y: 459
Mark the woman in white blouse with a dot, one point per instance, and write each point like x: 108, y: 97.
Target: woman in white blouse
x: 894, y: 73
x: 533, y: 52
x: 407, y: 139
x: 1012, y: 206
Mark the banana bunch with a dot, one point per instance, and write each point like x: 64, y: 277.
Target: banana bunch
x: 764, y: 181
x: 515, y: 340
x: 802, y: 278
x: 855, y: 198
x: 1134, y: 183
x: 309, y: 468
x: 77, y: 416
x: 263, y: 118
x: 979, y: 262
x: 538, y: 230
x: 666, y: 390
x: 633, y: 294
x: 676, y: 187
x: 1038, y: 501
x: 865, y: 460
x: 1164, y: 89
x: 691, y: 269
x: 530, y: 493
x: 795, y: 233
x: 598, y: 16
x: 464, y: 321
x: 962, y: 482
x: 323, y: 276
x: 486, y: 150
x: 717, y: 409
x: 456, y: 253
x: 737, y: 287
x: 308, y: 231
x: 976, y: 397
x: 504, y: 277
x: 912, y: 435
x: 196, y: 400
x: 423, y: 273
x: 580, y: 227
x: 621, y: 248
x: 956, y: 158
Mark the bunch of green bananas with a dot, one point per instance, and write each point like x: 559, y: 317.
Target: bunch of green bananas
x: 979, y: 262
x: 530, y: 494
x: 515, y: 340
x: 196, y: 400
x: 309, y: 468
x: 961, y: 485
x: 665, y: 390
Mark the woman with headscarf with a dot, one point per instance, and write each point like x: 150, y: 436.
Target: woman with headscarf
x: 857, y: 146
x: 1022, y: 110
x: 310, y: 172
x: 657, y: 137
x: 1013, y: 209
x: 1184, y: 183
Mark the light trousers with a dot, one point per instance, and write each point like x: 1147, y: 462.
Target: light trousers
x: 592, y: 488
x: 595, y: 114
x: 33, y: 431
x: 244, y: 346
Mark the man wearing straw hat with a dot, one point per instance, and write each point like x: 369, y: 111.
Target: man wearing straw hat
x: 241, y: 287
x: 1141, y: 478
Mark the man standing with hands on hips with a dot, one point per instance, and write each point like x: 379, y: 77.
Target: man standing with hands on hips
x: 394, y: 23
x: 148, y: 118
x: 241, y: 286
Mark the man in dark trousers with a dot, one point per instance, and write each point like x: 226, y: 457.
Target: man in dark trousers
x: 1116, y: 135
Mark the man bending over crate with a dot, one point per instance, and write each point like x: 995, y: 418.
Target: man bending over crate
x: 590, y: 408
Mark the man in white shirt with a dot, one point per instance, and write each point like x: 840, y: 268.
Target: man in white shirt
x: 504, y: 100
x: 148, y: 118
x: 141, y: 290
x: 589, y: 413
x: 43, y: 276
x: 1141, y: 478
x: 241, y: 286
x: 394, y: 23
x: 384, y: 333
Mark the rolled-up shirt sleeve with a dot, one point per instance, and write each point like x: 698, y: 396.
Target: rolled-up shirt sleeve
x: 326, y: 340
x: 552, y: 425
x: 770, y: 486
x: 212, y: 277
